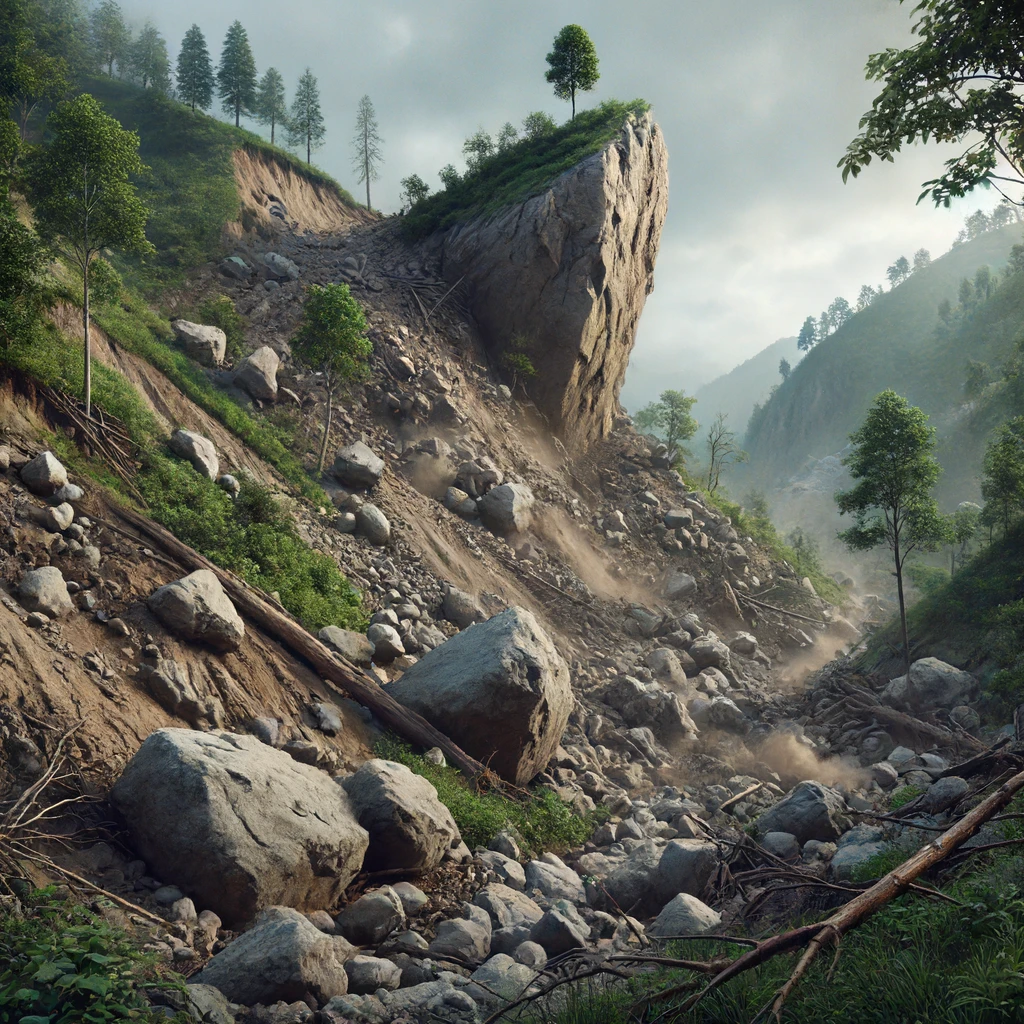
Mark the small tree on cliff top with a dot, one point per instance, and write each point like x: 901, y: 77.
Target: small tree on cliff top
x: 332, y: 340
x: 573, y: 64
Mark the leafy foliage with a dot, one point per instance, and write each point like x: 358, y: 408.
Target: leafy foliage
x: 147, y: 62
x: 414, y: 190
x: 572, y: 64
x: 670, y: 419
x: 219, y: 311
x: 1003, y: 485
x: 109, y: 34
x: 544, y: 822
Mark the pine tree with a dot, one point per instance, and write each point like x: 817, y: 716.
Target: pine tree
x: 367, y: 142
x: 148, y: 62
x: 270, y: 101
x: 195, y: 71
x: 306, y: 122
x: 110, y: 36
x: 236, y: 75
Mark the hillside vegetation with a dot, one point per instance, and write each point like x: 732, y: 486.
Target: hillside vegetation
x: 891, y: 343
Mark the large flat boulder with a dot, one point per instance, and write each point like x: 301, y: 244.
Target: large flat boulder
x: 237, y: 825
x: 934, y: 684
x: 283, y: 957
x: 205, y: 344
x: 499, y: 689
x: 409, y: 827
x: 196, y: 608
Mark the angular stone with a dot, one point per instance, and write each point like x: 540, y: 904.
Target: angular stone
x: 44, y: 590
x: 560, y: 930
x: 808, y: 811
x: 257, y: 374
x: 366, y: 974
x: 352, y: 646
x: 44, y: 474
x: 685, y: 915
x: 198, y: 450
x: 205, y: 344
x: 507, y: 508
x: 934, y: 684
x: 554, y: 879
x: 373, y: 524
x: 356, y: 465
x: 196, y: 608
x: 372, y: 918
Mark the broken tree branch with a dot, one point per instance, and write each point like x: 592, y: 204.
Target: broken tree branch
x: 782, y: 611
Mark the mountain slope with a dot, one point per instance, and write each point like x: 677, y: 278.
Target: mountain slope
x: 892, y: 343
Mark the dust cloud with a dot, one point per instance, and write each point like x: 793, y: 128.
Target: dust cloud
x: 787, y: 756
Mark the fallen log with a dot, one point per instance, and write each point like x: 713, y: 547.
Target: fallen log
x: 334, y: 670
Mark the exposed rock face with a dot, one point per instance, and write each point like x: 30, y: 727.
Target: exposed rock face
x: 570, y: 271
x: 237, y: 825
x: 499, y: 689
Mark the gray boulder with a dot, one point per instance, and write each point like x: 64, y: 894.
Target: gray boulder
x: 198, y: 450
x: 257, y: 374
x: 500, y: 978
x: 373, y: 917
x: 507, y: 508
x: 352, y: 646
x: 280, y: 267
x: 206, y: 345
x: 855, y: 849
x: 238, y: 825
x: 44, y: 475
x: 283, y: 957
x: 680, y: 585
x: 687, y: 866
x: 685, y: 915
x: 196, y: 608
x: 44, y: 590
x: 707, y: 652
x: 357, y: 466
x: 554, y: 879
x: 460, y: 608
x: 366, y: 974
x: 935, y: 685
x: 808, y: 811
x: 373, y: 524
x: 467, y: 940
x: 944, y: 794
x: 409, y: 827
x: 560, y: 930
x: 499, y: 689
x: 387, y: 642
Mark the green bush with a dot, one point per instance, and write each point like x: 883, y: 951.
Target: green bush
x: 219, y: 311
x: 543, y: 821
x: 61, y: 964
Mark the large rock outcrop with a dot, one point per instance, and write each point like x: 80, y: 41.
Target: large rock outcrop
x: 569, y: 271
x: 499, y: 689
x: 238, y: 825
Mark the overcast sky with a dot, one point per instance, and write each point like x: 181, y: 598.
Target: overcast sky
x: 757, y: 100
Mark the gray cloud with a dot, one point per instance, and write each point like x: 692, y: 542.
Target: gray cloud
x: 757, y: 101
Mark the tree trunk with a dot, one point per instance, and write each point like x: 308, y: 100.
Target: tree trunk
x: 911, y: 696
x: 572, y: 95
x: 238, y: 112
x: 327, y: 431
x: 309, y: 150
x: 273, y: 125
x: 366, y: 171
x: 87, y: 372
x: 285, y: 630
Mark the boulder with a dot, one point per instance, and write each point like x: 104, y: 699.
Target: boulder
x: 44, y: 475
x: 236, y: 268
x: 198, y: 450
x: 44, y: 590
x: 283, y: 957
x: 686, y: 865
x: 350, y: 645
x: 387, y: 642
x: 206, y: 345
x: 196, y: 608
x: 554, y: 879
x: 499, y: 689
x: 808, y: 811
x: 356, y: 465
x: 257, y: 374
x: 373, y: 524
x: 409, y: 827
x: 709, y: 652
x: 784, y: 845
x: 855, y: 848
x: 684, y: 915
x: 662, y: 712
x: 934, y: 684
x: 366, y: 974
x: 238, y: 825
x: 560, y: 930
x: 501, y: 978
x: 373, y: 917
x: 679, y: 586
x: 944, y: 794
x: 460, y: 608
x: 633, y: 882
x: 280, y: 267
x: 507, y: 508
x: 462, y: 940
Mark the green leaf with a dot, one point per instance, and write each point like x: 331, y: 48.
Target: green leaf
x: 48, y: 973
x: 94, y: 983
x: 35, y: 1019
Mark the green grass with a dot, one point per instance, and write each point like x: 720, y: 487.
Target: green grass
x: 190, y: 186
x: 903, y: 795
x: 523, y: 170
x: 62, y: 964
x: 544, y: 822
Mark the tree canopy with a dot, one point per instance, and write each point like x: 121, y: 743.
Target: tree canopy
x: 366, y: 143
x: 670, y: 419
x: 148, y: 63
x: 195, y: 70
x: 110, y: 36
x: 573, y: 64
x: 958, y: 83
x: 306, y: 120
x: 271, y: 107
x: 1002, y: 486
x: 236, y: 73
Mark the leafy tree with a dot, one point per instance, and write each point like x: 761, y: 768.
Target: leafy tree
x: 898, y: 272
x: 111, y: 39
x: 839, y: 312
x: 1002, y: 486
x: 367, y: 144
x: 976, y: 224
x: 148, y: 62
x: 572, y: 64
x: 807, y: 336
x: 195, y: 71
x: 722, y: 450
x: 958, y: 83
x: 450, y: 177
x: 866, y: 297
x: 517, y: 362
x: 271, y: 107
x: 306, y: 120
x: 414, y: 190
x: 983, y: 282
x: 670, y: 419
x: 478, y: 148
x: 538, y: 124
x: 785, y: 369
x: 331, y: 340
x: 824, y: 327
x: 236, y: 73
x: 1003, y: 214
x: 945, y: 311
x: 507, y: 137
x: 921, y: 259
x: 961, y: 528
x: 966, y: 295
x: 82, y: 195
x: 29, y: 74
x: 975, y: 379
x: 893, y: 460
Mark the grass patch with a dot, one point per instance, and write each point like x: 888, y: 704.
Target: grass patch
x: 544, y: 822
x: 62, y: 964
x: 523, y: 170
x: 903, y: 795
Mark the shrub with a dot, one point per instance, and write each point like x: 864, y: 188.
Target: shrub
x: 543, y: 820
x: 219, y: 311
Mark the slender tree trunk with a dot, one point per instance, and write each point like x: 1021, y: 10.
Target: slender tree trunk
x: 911, y: 696
x: 327, y: 430
x: 309, y: 150
x: 572, y: 94
x: 87, y: 376
x: 238, y: 111
x: 273, y: 125
x: 366, y: 171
